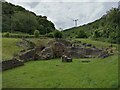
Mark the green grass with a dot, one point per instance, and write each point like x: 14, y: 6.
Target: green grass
x: 99, y: 73
x: 9, y: 47
x: 96, y: 43
x: 41, y: 41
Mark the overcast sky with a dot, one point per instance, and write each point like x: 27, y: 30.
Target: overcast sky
x: 62, y: 13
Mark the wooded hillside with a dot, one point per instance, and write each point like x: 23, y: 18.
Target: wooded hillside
x: 106, y: 28
x: 18, y: 19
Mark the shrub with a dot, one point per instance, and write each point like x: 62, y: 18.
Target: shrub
x: 7, y: 34
x: 36, y: 33
x: 58, y: 34
x: 81, y: 34
x: 51, y: 35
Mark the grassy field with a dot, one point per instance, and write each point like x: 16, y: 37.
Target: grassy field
x: 96, y: 43
x: 9, y: 47
x: 99, y: 73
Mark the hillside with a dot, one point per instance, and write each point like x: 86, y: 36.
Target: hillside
x: 17, y: 19
x: 106, y: 28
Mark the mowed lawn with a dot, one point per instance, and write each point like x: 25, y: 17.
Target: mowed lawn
x: 99, y: 73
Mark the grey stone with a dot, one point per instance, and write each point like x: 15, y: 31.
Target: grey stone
x: 66, y: 58
x: 9, y: 64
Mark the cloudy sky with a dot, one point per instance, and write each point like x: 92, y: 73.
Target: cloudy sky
x: 62, y: 12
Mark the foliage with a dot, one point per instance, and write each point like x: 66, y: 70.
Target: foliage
x: 7, y: 34
x: 57, y: 34
x: 24, y: 22
x: 36, y: 33
x: 17, y: 35
x: 51, y: 35
x: 16, y: 18
x: 81, y: 34
x: 107, y: 27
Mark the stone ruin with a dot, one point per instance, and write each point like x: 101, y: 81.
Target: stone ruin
x: 57, y: 49
x: 9, y: 64
x: 66, y: 58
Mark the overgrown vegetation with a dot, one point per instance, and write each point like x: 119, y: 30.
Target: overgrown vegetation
x: 36, y: 33
x: 107, y: 28
x: 57, y: 34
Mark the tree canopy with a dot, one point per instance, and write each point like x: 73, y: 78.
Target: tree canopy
x: 18, y: 19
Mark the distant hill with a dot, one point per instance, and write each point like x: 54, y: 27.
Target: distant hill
x: 17, y: 19
x: 106, y: 28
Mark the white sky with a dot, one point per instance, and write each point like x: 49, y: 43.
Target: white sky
x: 61, y: 12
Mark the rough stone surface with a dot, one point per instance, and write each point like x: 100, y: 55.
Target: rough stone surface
x: 66, y: 58
x: 28, y: 55
x: 59, y: 49
x: 26, y: 44
x: 104, y: 55
x: 80, y: 52
x: 9, y: 64
x: 46, y: 54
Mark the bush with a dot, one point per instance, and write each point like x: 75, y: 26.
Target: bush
x: 81, y: 34
x: 51, y: 35
x: 58, y: 34
x: 36, y: 33
x: 7, y: 34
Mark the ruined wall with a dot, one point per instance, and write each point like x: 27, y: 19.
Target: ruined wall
x: 80, y: 52
x: 28, y: 55
x: 9, y: 64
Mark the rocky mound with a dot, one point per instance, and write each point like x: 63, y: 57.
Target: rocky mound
x: 56, y: 50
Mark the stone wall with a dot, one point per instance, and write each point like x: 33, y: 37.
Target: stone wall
x: 80, y: 52
x: 9, y: 64
x: 28, y: 55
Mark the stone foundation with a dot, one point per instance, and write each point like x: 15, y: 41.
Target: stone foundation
x: 9, y: 64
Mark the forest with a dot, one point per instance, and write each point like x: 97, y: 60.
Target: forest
x: 16, y: 19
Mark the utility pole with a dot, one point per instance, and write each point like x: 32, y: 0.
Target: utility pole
x: 75, y: 22
x: 119, y: 5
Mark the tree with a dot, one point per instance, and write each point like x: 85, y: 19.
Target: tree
x: 18, y: 19
x: 7, y: 34
x: 24, y: 22
x: 36, y: 33
x: 81, y: 34
x: 96, y: 34
x: 58, y: 34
